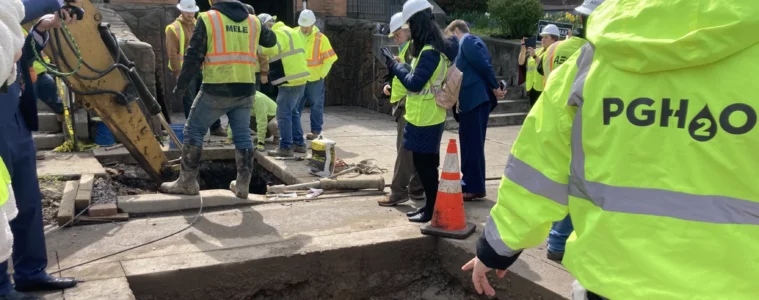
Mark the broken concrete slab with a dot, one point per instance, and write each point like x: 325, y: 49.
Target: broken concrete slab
x: 84, y: 194
x: 154, y: 203
x: 68, y: 164
x: 122, y: 155
x: 96, y: 271
x: 111, y: 289
x: 103, y: 210
x: 66, y: 210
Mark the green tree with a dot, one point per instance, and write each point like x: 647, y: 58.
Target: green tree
x: 517, y: 18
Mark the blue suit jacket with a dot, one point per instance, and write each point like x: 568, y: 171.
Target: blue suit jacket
x: 479, y: 78
x: 10, y: 101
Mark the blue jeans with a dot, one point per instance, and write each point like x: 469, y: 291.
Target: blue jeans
x: 47, y: 92
x: 192, y: 91
x: 560, y: 231
x: 288, y: 116
x: 314, y: 95
x: 208, y: 108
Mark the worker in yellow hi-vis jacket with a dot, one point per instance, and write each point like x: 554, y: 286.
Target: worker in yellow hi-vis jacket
x: 320, y: 57
x: 655, y: 166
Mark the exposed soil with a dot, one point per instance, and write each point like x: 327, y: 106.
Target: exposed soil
x: 52, y: 192
x: 133, y: 180
x: 435, y: 287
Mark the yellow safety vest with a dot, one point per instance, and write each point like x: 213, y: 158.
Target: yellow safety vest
x: 533, y: 79
x: 289, y: 50
x: 178, y: 30
x: 559, y: 52
x: 656, y: 167
x: 318, y: 52
x: 399, y: 91
x: 5, y: 183
x: 232, y: 47
x: 421, y: 108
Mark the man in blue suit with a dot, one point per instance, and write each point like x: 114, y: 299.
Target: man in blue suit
x: 478, y: 97
x: 18, y: 118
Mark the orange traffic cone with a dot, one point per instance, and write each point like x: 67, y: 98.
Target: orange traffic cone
x: 449, y: 219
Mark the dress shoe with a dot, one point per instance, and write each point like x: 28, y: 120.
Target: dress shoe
x: 472, y: 196
x: 422, y: 217
x: 415, y: 212
x: 49, y: 283
x: 14, y: 295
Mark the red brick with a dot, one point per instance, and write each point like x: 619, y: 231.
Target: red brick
x: 103, y: 210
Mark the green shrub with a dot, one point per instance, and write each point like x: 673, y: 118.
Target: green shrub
x: 517, y: 18
x: 459, y: 6
x: 474, y: 19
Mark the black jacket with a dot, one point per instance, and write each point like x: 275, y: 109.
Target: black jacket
x: 196, y: 53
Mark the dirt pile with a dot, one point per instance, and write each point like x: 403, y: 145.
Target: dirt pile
x: 51, y: 189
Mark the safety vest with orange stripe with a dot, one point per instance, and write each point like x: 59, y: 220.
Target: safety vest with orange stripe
x: 232, y: 48
x: 319, y: 54
x: 558, y: 53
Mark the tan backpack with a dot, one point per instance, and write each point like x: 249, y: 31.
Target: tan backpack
x: 446, y: 89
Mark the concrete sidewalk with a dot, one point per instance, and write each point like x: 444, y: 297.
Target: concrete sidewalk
x: 259, y: 233
x: 362, y: 134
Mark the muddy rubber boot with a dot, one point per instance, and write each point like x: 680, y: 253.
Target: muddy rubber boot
x: 187, y: 183
x: 244, y: 160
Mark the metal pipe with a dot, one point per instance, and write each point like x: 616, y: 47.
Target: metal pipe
x: 360, y: 183
x: 168, y: 129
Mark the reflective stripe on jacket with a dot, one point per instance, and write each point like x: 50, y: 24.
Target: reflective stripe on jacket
x: 5, y: 183
x: 398, y: 91
x: 421, y: 108
x: 287, y: 60
x: 319, y: 54
x: 232, y: 47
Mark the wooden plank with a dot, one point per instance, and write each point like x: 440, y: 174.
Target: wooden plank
x: 84, y: 194
x: 66, y: 210
x: 122, y: 217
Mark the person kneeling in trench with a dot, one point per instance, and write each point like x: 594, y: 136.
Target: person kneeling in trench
x: 263, y: 115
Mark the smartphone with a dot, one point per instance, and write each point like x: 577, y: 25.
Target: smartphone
x: 531, y: 42
x: 503, y: 84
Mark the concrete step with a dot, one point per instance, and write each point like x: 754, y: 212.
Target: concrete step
x: 42, y: 107
x: 512, y: 106
x: 496, y: 120
x: 47, y: 141
x: 49, y: 122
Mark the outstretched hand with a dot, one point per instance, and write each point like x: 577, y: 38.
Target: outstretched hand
x: 479, y: 276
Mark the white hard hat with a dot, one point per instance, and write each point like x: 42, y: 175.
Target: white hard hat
x: 411, y: 7
x: 588, y: 6
x: 266, y: 18
x: 550, y: 29
x: 188, y: 6
x: 396, y: 22
x: 307, y: 18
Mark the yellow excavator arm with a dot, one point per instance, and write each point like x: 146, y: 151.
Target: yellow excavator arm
x: 102, y: 82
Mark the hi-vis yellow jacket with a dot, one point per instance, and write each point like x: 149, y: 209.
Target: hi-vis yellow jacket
x: 287, y: 57
x: 656, y: 166
x: 319, y: 54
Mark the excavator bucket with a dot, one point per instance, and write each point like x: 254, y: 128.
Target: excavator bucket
x: 101, y: 83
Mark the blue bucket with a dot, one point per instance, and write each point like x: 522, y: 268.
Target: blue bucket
x: 103, y: 135
x: 179, y: 132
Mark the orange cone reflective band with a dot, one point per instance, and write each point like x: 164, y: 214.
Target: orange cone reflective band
x: 449, y: 218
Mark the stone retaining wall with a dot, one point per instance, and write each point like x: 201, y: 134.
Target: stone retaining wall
x: 356, y: 78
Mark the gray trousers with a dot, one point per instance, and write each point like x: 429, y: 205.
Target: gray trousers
x: 405, y: 179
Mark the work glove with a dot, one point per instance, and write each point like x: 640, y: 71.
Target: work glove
x: 389, y: 59
x: 260, y: 147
